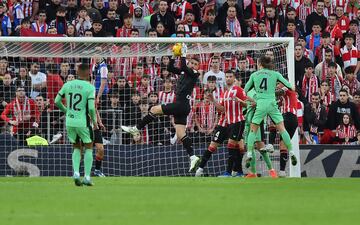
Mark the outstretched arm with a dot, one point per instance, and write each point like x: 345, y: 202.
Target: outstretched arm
x: 171, y: 67
x: 249, y: 85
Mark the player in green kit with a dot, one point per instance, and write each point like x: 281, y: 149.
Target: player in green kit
x: 264, y: 81
x: 259, y: 143
x: 80, y: 104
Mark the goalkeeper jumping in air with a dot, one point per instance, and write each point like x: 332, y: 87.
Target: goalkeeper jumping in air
x: 80, y: 102
x: 180, y: 109
x: 264, y: 82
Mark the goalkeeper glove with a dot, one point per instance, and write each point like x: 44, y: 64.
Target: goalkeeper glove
x: 183, y: 50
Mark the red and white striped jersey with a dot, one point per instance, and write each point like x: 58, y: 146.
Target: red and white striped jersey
x: 229, y: 64
x: 327, y: 99
x: 166, y: 97
x: 144, y: 91
x: 218, y: 94
x: 206, y: 115
x: 303, y: 11
x: 343, y: 131
x: 299, y: 111
x: 27, y: 7
x: 233, y: 108
x: 288, y: 102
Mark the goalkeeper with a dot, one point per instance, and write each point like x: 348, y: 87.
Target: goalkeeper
x: 188, y: 76
x: 80, y: 100
x: 264, y: 82
x: 260, y: 145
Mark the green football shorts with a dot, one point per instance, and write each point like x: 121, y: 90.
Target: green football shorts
x: 77, y: 134
x: 248, y: 117
x: 267, y: 107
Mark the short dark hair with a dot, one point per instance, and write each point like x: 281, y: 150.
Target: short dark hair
x: 308, y: 64
x: 316, y: 94
x: 356, y: 22
x: 266, y: 62
x: 316, y: 23
x: 291, y: 9
x: 343, y: 90
x: 349, y: 70
x: 83, y: 67
x: 211, y: 12
x: 127, y: 15
x: 325, y: 35
x: 327, y: 50
x: 332, y: 64
x: 349, y: 36
x: 357, y: 93
x: 61, y: 9
x: 134, y: 30
x: 292, y: 21
x: 151, y: 30
x: 211, y: 78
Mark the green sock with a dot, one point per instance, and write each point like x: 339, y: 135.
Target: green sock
x: 253, y: 162
x: 287, y: 140
x: 88, y: 159
x: 266, y: 157
x: 251, y: 141
x: 76, y: 158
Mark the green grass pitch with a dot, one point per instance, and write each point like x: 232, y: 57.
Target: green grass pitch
x: 179, y: 201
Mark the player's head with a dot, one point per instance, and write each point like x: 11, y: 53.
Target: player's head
x: 230, y: 77
x: 194, y: 63
x: 344, y: 95
x: 265, y: 62
x: 84, y: 71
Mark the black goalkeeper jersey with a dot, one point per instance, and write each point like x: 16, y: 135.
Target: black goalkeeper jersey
x: 187, y: 79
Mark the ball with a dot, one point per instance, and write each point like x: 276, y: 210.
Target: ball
x: 177, y: 49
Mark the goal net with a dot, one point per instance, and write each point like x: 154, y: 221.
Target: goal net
x: 137, y: 78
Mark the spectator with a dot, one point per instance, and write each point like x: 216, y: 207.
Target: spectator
x: 314, y: 119
x: 92, y: 12
x: 168, y: 94
x: 325, y: 42
x: 5, y: 22
x: 112, y: 116
x: 310, y: 83
x: 328, y: 7
x: 215, y: 71
x: 351, y: 81
x: 25, y: 25
x: 335, y: 81
x: 40, y: 25
x: 340, y: 107
x: 321, y: 70
x: 43, y: 110
x: 354, y: 30
x: 137, y: 139
x: 71, y: 31
x: 51, y: 10
x: 135, y: 78
x: 82, y: 22
x: 164, y: 17
x: 291, y: 15
x: 317, y: 17
x: 146, y: 8
x: 191, y: 27
x: 180, y: 29
x: 272, y: 22
x: 201, y: 9
x: 231, y: 23
x: 327, y: 98
x: 300, y: 62
x: 356, y: 100
x: 7, y: 91
x: 23, y: 79
x: 38, y: 81
x: 53, y: 83
x: 251, y: 24
x: 345, y: 131
x: 262, y: 31
x: 111, y: 23
x: 100, y: 6
x: 291, y: 29
x: 350, y: 54
x: 313, y: 39
x: 30, y: 9
x: 151, y: 69
x: 342, y: 20
x: 357, y: 142
x: 124, y: 31
x: 307, y: 52
x: 144, y: 89
x: 123, y: 8
x: 23, y: 115
x: 122, y: 89
x: 223, y: 11
x: 139, y: 22
x: 205, y: 119
x: 178, y: 8
x: 18, y: 13
x: 60, y: 22
x: 282, y: 9
x: 160, y: 30
x: 72, y: 9
x: 97, y: 29
x: 243, y: 71
x: 334, y: 30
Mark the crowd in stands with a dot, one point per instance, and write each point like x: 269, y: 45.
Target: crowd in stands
x: 327, y: 62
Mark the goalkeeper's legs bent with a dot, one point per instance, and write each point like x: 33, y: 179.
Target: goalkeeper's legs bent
x: 154, y: 111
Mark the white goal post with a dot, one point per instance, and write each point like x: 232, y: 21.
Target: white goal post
x: 76, y: 47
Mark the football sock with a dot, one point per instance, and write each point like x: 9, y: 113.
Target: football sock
x: 76, y: 158
x: 233, y: 153
x: 88, y: 161
x: 187, y: 145
x: 98, y: 162
x: 251, y: 141
x: 240, y: 158
x: 253, y: 162
x: 230, y: 164
x: 205, y: 158
x: 286, y: 139
x: 283, y: 159
x: 266, y: 158
x: 146, y: 120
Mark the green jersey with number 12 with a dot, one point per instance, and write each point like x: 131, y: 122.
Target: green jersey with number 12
x: 264, y: 82
x: 80, y: 96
